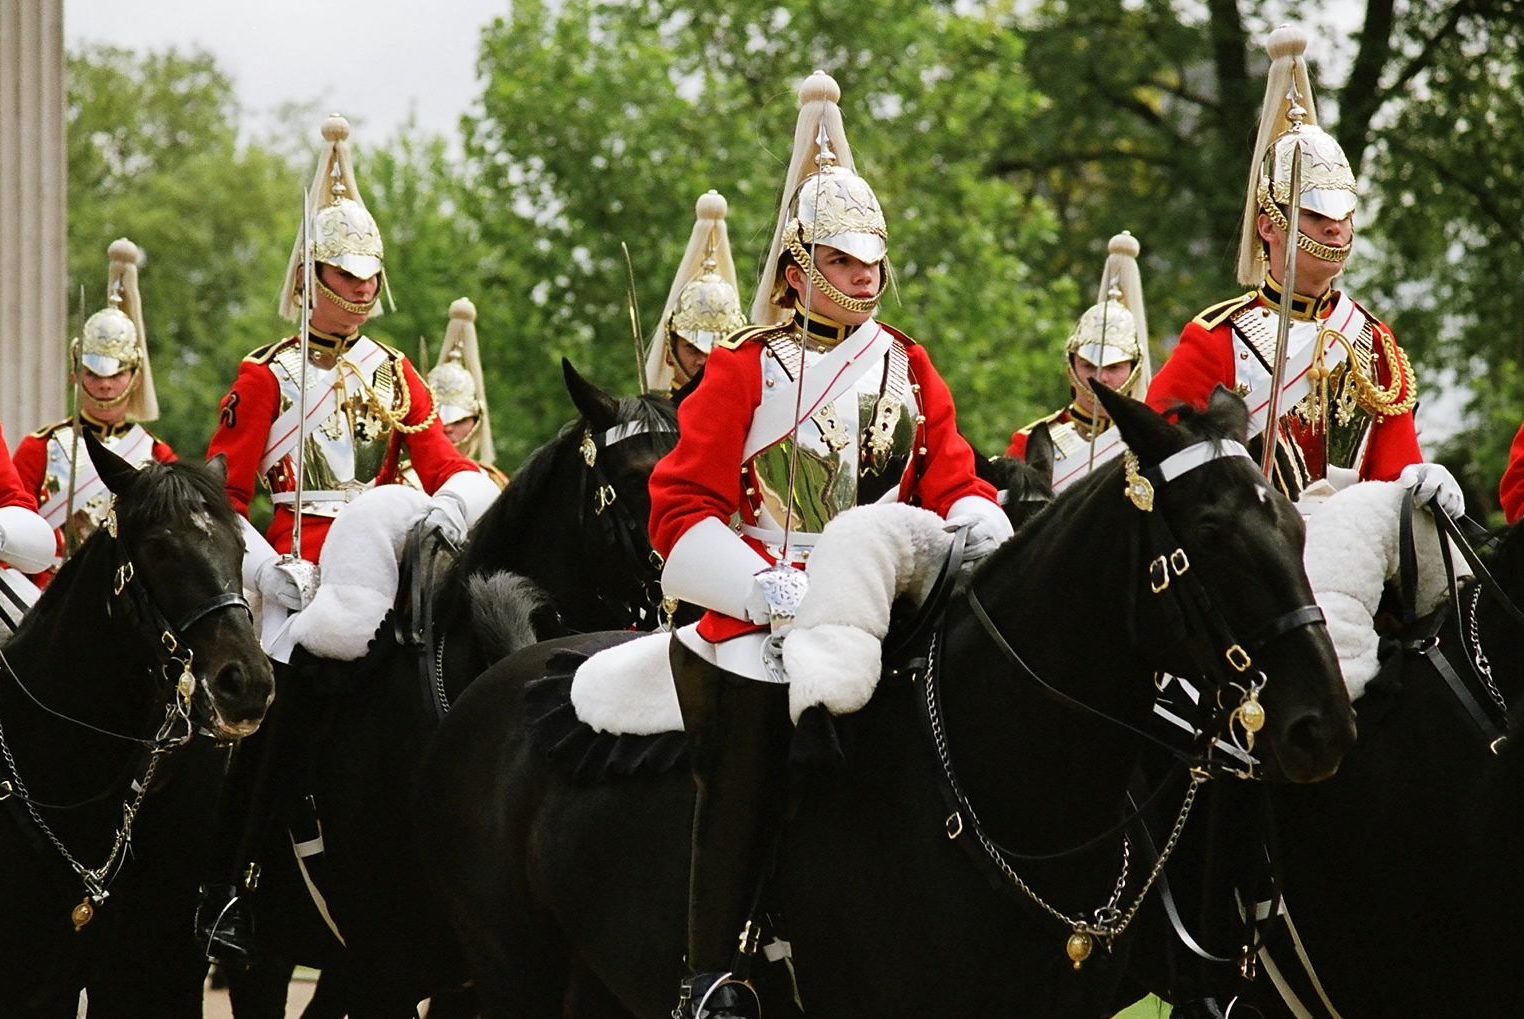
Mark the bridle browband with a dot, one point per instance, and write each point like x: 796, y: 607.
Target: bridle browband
x: 622, y: 531
x: 1216, y: 653
x: 176, y: 730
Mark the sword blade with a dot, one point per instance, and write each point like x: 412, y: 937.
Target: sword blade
x: 1270, y: 437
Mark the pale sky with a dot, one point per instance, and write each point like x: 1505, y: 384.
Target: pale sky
x: 401, y: 56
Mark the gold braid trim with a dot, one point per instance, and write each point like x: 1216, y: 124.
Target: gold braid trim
x: 1323, y: 252
x: 396, y: 419
x: 1388, y: 402
x: 852, y: 304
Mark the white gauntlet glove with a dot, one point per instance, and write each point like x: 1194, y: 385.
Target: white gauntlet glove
x: 447, y: 515
x: 988, y: 526
x: 26, y: 540
x: 1432, y: 482
x: 288, y: 581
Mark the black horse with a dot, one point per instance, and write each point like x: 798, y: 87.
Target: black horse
x: 117, y: 697
x: 1401, y: 875
x: 568, y: 534
x: 569, y: 896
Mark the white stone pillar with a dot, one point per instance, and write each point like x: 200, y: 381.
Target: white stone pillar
x: 33, y: 192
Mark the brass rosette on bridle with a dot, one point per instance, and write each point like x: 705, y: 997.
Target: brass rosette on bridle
x: 836, y: 208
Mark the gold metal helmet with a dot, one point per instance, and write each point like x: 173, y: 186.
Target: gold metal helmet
x: 704, y: 304
x: 1289, y: 120
x: 825, y: 202
x: 343, y: 232
x: 114, y: 339
x: 1114, y: 330
x: 456, y: 380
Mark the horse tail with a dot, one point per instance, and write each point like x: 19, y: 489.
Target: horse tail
x: 504, y: 606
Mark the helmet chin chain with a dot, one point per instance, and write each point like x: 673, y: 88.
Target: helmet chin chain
x: 349, y: 306
x: 855, y: 305
x: 1322, y: 252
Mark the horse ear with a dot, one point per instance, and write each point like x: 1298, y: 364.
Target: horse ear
x: 1040, y: 451
x: 601, y: 409
x: 1145, y: 431
x: 1228, y: 410
x: 117, y: 474
x: 218, y: 467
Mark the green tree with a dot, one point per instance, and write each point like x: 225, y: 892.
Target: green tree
x: 603, y: 122
x: 154, y: 155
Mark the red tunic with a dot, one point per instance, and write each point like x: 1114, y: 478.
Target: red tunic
x: 1205, y: 359
x: 13, y: 491
x: 701, y: 477
x: 32, y: 468
x: 250, y: 409
x: 1511, y: 491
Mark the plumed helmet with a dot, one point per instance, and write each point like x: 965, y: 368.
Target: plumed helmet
x: 115, y: 339
x: 343, y: 232
x: 1114, y: 330
x: 825, y: 201
x: 459, y: 389
x: 1289, y: 120
x: 704, y: 304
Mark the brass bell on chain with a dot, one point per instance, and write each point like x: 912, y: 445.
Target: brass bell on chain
x: 82, y: 913
x: 1079, y: 947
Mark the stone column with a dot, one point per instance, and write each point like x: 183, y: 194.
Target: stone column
x: 33, y: 191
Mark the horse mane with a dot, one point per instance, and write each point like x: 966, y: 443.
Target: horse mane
x: 485, y: 550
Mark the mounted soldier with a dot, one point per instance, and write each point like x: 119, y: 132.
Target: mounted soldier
x: 1341, y: 389
x: 114, y: 393
x: 703, y: 306
x: 1109, y: 343
x: 814, y: 408
x: 317, y: 418
x: 26, y: 544
x: 460, y: 393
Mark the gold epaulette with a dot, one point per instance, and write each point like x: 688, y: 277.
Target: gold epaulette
x: 46, y: 431
x: 752, y: 332
x: 892, y: 331
x: 263, y: 355
x: 1045, y: 420
x: 1219, y: 313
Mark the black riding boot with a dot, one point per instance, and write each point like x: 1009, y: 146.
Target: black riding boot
x: 738, y: 733
x: 262, y: 766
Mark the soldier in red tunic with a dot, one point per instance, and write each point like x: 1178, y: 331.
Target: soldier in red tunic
x: 703, y: 306
x: 26, y: 544
x: 1348, y: 391
x: 116, y: 395
x: 364, y: 403
x: 875, y: 423
x: 1511, y: 491
x: 1109, y: 343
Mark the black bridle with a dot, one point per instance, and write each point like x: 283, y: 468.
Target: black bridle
x: 622, y: 532
x: 1194, y: 621
x: 171, y: 653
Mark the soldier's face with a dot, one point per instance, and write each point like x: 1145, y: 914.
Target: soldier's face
x: 847, y: 273
x: 1313, y: 274
x: 689, y: 358
x: 459, y: 431
x: 331, y: 318
x: 102, y: 390
x: 1113, y: 376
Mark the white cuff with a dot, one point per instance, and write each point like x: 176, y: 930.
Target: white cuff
x: 711, y: 566
x: 256, y: 552
x: 474, y: 490
x: 26, y: 540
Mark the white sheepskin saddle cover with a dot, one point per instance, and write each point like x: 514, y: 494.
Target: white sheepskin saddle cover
x: 865, y: 558
x: 1351, y: 553
x: 358, y: 582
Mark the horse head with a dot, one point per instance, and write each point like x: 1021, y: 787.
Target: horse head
x: 1224, y: 597
x: 178, y: 553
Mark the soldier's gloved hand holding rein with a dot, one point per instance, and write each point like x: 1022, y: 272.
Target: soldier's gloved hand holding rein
x: 287, y: 581
x: 988, y: 526
x: 459, y: 503
x: 1434, y: 483
x: 447, y: 515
